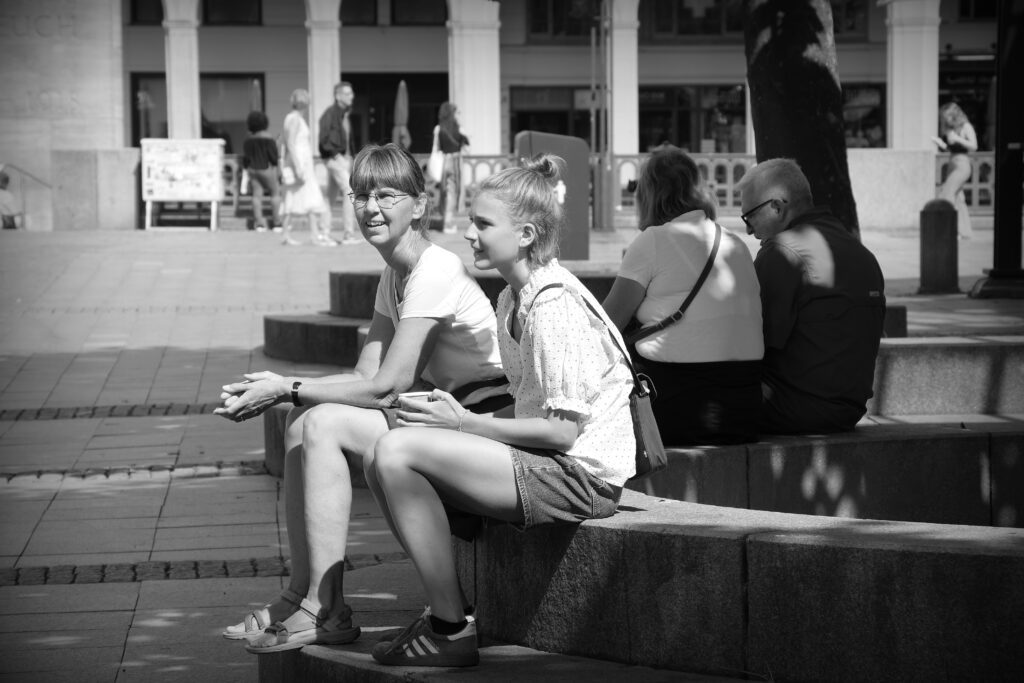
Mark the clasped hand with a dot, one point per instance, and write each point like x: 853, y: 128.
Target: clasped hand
x: 442, y: 410
x: 248, y: 399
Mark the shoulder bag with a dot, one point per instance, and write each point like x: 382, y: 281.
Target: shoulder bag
x: 650, y: 451
x: 675, y: 317
x: 435, y: 164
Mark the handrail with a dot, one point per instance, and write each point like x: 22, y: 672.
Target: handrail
x: 23, y: 172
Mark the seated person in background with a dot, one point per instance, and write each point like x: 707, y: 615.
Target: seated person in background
x: 822, y: 296
x: 9, y: 207
x: 706, y: 367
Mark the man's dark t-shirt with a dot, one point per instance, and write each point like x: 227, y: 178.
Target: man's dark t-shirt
x: 823, y: 305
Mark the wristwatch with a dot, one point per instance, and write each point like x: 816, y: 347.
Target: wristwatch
x: 295, y: 393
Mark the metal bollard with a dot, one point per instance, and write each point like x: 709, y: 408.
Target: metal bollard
x: 939, y: 267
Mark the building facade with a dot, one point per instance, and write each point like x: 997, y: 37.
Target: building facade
x: 94, y: 75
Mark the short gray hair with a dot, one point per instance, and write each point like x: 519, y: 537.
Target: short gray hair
x: 783, y: 173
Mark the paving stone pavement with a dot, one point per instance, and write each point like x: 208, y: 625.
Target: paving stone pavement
x: 135, y: 525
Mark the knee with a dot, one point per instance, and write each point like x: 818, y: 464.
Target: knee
x: 320, y: 422
x: 392, y: 454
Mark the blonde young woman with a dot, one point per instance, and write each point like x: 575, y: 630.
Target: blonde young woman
x: 302, y: 195
x: 561, y: 454
x: 959, y: 139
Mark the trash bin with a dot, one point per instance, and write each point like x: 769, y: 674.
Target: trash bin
x: 939, y: 267
x: 575, y: 241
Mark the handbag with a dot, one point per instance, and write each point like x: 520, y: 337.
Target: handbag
x: 650, y: 451
x: 287, y: 175
x: 435, y: 164
x: 634, y: 337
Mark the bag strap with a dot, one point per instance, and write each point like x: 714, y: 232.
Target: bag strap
x: 641, y: 388
x: 675, y: 317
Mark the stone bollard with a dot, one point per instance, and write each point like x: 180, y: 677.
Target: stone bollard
x: 939, y: 268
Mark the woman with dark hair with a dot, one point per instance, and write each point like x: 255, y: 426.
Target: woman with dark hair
x: 959, y: 138
x: 450, y: 141
x: 706, y: 366
x: 432, y: 327
x: 259, y: 159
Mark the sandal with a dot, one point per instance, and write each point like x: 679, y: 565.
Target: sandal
x: 305, y: 627
x: 258, y: 620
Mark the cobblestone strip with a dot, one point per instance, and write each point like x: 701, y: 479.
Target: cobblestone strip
x: 257, y: 307
x: 179, y: 569
x: 218, y: 469
x: 79, y: 412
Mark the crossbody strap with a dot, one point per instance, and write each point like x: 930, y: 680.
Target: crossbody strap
x: 675, y: 317
x: 641, y: 388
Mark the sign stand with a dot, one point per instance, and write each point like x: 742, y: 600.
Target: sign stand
x: 182, y: 171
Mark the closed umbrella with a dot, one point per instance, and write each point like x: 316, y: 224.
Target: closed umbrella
x: 255, y: 96
x: 400, y: 133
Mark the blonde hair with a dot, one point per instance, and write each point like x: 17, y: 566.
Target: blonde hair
x: 300, y: 98
x: 528, y: 192
x: 953, y: 116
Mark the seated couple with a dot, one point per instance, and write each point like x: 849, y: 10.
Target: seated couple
x: 489, y: 452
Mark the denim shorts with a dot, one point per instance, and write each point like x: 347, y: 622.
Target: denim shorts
x: 554, y: 488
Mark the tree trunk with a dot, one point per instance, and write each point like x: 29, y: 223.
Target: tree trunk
x: 795, y: 96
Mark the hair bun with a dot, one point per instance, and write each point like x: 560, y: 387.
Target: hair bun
x: 547, y: 166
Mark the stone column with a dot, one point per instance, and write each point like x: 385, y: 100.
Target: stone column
x: 474, y: 71
x: 625, y: 80
x: 912, y: 73
x: 181, y: 62
x: 323, y: 50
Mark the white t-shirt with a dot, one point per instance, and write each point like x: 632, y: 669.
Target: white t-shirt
x: 565, y: 360
x: 723, y: 321
x: 440, y: 287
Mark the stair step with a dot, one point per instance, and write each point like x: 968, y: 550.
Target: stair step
x: 314, y: 338
x: 497, y: 663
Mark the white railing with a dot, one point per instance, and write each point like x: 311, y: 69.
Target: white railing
x: 979, y: 191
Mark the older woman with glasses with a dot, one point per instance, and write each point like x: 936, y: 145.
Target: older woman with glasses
x: 432, y: 327
x: 706, y: 364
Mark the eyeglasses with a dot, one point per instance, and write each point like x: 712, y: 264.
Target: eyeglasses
x: 748, y: 214
x: 385, y: 200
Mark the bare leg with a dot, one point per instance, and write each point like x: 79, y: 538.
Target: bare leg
x: 331, y: 436
x: 414, y: 469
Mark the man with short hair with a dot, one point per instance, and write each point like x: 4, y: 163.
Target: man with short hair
x: 337, y: 149
x: 822, y: 301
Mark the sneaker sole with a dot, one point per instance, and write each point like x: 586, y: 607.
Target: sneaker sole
x: 325, y: 638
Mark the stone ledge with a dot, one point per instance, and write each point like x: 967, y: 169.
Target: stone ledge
x: 700, y: 588
x: 936, y: 473
x: 313, y: 338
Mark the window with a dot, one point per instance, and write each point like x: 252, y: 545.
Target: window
x: 558, y: 110
x: 849, y: 18
x: 232, y: 13
x: 670, y: 20
x: 701, y: 119
x: 978, y: 9
x: 225, y: 102
x: 147, y: 12
x: 358, y: 13
x: 562, y: 19
x: 419, y: 12
x: 864, y: 114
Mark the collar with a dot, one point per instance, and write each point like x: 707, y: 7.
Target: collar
x: 540, y: 277
x: 819, y: 215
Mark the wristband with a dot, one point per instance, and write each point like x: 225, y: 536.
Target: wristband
x: 295, y: 393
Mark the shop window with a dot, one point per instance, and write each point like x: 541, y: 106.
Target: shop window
x: 849, y: 18
x: 986, y: 10
x: 700, y: 119
x: 864, y: 114
x: 562, y: 20
x: 419, y: 12
x: 146, y: 12
x: 232, y: 13
x: 358, y: 13
x: 557, y: 110
x: 225, y: 102
x: 705, y: 20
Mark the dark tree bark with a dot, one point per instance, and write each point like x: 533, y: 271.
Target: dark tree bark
x: 795, y: 96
